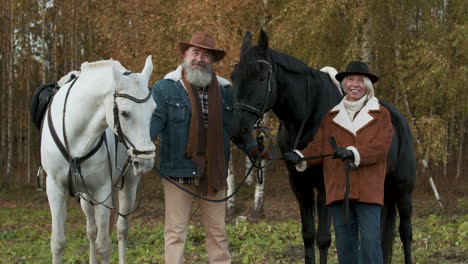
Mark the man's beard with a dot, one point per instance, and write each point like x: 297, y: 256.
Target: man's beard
x: 197, y: 77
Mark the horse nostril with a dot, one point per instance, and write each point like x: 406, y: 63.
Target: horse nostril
x: 136, y: 164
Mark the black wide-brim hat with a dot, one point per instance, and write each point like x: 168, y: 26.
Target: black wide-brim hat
x: 205, y: 41
x: 357, y: 68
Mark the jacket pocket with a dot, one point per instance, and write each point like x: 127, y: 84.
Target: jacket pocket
x: 177, y: 110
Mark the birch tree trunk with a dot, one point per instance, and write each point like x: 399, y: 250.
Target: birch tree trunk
x: 259, y: 197
x: 431, y: 182
x: 249, y: 181
x: 44, y: 42
x: 259, y: 194
x: 9, y: 87
x: 366, y: 40
x: 231, y: 186
x: 5, y: 37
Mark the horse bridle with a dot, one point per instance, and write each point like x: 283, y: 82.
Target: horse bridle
x: 252, y: 109
x: 132, y: 150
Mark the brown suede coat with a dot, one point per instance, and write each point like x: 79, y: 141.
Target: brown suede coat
x: 369, y: 137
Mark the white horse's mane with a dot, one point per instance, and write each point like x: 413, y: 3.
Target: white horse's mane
x: 86, y: 66
x: 68, y: 77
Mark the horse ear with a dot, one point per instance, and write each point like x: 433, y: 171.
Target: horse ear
x: 148, y: 69
x: 117, y: 73
x: 263, y: 40
x: 246, y: 43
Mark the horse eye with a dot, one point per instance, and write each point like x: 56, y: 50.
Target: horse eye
x: 125, y: 114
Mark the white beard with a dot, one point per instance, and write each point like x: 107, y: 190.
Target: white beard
x: 197, y: 78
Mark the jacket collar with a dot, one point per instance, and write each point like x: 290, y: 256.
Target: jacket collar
x: 176, y: 76
x: 363, y: 117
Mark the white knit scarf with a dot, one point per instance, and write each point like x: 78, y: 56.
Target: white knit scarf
x: 353, y: 107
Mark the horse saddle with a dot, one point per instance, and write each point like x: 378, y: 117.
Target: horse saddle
x: 40, y: 100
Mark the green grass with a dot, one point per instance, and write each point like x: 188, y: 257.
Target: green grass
x: 25, y: 233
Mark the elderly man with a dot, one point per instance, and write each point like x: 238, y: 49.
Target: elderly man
x: 193, y: 116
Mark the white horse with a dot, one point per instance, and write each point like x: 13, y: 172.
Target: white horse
x: 80, y: 113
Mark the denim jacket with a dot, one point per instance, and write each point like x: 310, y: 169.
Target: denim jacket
x: 172, y: 118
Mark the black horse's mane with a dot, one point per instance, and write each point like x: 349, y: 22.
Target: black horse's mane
x: 287, y: 62
x: 290, y: 63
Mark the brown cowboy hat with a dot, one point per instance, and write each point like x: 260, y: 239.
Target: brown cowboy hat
x: 357, y: 68
x: 205, y: 41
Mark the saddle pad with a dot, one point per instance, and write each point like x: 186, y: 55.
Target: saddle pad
x: 40, y: 100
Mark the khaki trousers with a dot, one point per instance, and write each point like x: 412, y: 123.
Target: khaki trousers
x: 177, y: 213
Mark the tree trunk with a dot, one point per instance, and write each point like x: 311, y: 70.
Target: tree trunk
x: 44, y: 42
x: 259, y: 197
x: 431, y: 182
x: 231, y: 186
x: 460, y: 148
x: 249, y: 181
x: 5, y: 40
x: 366, y: 40
x: 9, y: 87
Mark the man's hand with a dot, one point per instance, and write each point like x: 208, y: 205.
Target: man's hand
x: 265, y: 155
x: 291, y: 157
x: 343, y: 154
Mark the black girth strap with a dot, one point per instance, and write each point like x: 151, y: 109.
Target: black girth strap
x: 75, y: 163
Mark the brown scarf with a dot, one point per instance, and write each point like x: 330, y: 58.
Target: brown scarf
x: 207, y: 154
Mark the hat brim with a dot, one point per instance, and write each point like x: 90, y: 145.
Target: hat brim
x: 217, y: 54
x: 340, y: 76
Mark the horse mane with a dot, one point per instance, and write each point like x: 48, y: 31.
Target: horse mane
x: 289, y: 62
x: 87, y: 66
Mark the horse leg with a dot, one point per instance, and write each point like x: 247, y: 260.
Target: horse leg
x: 91, y: 229
x: 126, y: 203
x: 405, y: 207
x: 304, y: 192
x: 323, y: 230
x: 102, y: 217
x: 387, y: 224
x: 57, y: 197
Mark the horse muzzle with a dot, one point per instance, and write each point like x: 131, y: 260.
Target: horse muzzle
x: 142, y: 166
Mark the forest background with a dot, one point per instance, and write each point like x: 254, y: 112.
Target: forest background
x: 418, y: 48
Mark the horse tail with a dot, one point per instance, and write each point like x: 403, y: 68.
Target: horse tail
x: 388, y: 223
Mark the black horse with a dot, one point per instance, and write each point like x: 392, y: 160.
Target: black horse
x: 265, y: 79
